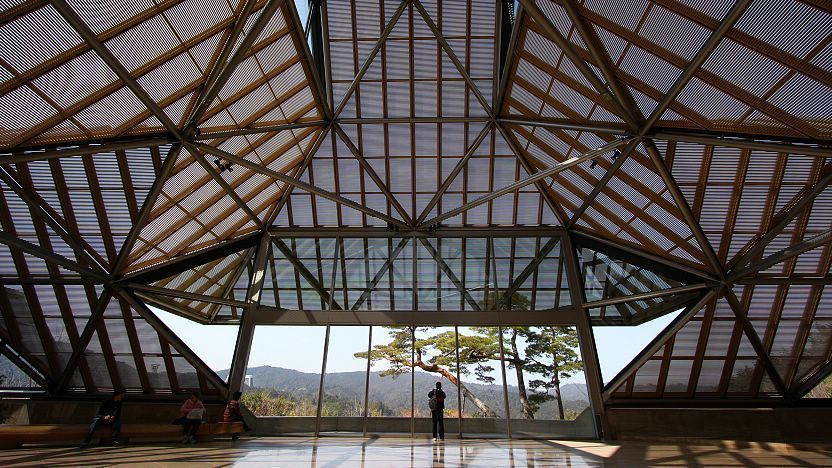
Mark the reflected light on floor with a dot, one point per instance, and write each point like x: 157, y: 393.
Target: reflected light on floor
x: 389, y: 452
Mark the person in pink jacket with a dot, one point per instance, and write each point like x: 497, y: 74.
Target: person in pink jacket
x: 192, y: 412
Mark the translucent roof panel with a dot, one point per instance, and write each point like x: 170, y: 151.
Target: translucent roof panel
x: 709, y: 356
x: 419, y: 156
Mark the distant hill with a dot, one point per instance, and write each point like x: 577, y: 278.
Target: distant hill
x: 394, y: 392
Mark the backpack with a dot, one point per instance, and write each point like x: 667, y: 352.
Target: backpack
x: 435, y: 401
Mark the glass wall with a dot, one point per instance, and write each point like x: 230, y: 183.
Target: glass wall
x: 380, y: 375
x: 346, y: 372
x: 482, y: 381
x: 284, y: 371
x: 542, y: 365
x: 390, y: 379
x: 545, y: 377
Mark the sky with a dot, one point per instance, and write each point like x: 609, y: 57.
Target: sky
x: 301, y: 347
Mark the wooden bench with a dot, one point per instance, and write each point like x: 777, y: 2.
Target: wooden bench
x: 15, y: 435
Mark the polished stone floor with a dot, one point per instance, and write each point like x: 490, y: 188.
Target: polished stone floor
x: 394, y: 452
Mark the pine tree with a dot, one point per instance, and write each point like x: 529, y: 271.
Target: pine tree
x: 551, y: 353
x: 435, y: 354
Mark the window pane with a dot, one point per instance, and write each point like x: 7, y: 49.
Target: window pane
x: 389, y: 406
x: 546, y: 380
x: 284, y: 370
x: 346, y: 372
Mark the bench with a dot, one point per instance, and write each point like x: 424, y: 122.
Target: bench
x: 15, y: 435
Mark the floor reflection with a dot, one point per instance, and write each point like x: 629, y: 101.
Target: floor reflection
x: 387, y: 452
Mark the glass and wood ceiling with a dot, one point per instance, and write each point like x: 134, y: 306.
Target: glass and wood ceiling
x: 477, y: 161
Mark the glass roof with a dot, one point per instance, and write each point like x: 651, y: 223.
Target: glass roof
x: 422, y: 155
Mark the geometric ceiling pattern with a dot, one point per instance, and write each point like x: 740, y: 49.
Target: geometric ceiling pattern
x: 215, y: 158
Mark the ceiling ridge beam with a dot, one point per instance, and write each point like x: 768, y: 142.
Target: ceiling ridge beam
x: 228, y: 68
x: 235, y: 277
x: 552, y: 33
x: 502, y: 80
x: 728, y: 21
x: 527, y: 181
x: 300, y: 184
x: 633, y: 117
x: 684, y: 208
x: 200, y: 158
x: 804, y: 200
x: 228, y: 46
x: 301, y: 42
x: 652, y: 294
x: 189, y: 258
x: 784, y: 254
x: 301, y: 169
x: 147, y: 207
x: 249, y: 149
x: 183, y: 294
x: 508, y: 137
x: 603, y: 181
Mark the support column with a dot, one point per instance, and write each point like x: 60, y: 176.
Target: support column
x: 320, y: 407
x: 589, y: 355
x: 367, y: 378
x: 458, y: 385
x: 245, y: 335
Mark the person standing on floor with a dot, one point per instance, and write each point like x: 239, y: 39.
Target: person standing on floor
x: 192, y: 412
x: 436, y: 402
x: 108, y: 415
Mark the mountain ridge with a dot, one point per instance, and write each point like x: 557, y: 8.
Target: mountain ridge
x: 394, y: 391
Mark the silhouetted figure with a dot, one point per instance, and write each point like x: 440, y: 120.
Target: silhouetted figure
x: 108, y: 415
x: 436, y: 402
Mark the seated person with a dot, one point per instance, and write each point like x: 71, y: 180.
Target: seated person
x: 192, y: 412
x: 232, y: 413
x: 108, y: 415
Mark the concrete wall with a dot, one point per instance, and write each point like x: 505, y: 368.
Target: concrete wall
x: 788, y: 425
x: 581, y: 428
